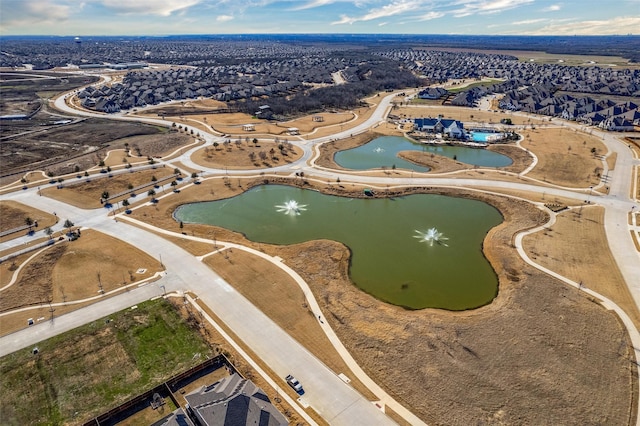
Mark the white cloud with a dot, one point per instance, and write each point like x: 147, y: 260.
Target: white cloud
x: 552, y: 8
x: 153, y: 7
x: 528, y: 21
x: 620, y: 25
x: 483, y: 7
x: 394, y: 8
x: 26, y: 12
x: 431, y: 15
x: 224, y: 18
x: 314, y: 3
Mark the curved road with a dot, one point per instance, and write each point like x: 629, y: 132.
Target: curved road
x: 335, y: 400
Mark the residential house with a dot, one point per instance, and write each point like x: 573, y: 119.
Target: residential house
x: 451, y: 128
x: 232, y: 401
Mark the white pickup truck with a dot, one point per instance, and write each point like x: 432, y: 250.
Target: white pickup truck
x: 295, y: 384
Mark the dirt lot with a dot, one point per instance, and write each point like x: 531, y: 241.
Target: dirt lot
x: 60, y: 149
x: 70, y: 271
x: 564, y: 156
x: 539, y: 343
x: 24, y: 92
x: 247, y: 155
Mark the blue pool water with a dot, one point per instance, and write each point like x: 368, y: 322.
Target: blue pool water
x: 483, y: 136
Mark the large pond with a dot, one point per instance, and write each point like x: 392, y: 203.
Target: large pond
x: 383, y: 152
x: 396, y: 254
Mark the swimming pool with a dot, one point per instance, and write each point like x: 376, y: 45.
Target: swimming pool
x: 486, y: 136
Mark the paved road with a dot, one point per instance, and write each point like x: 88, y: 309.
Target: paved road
x: 335, y: 400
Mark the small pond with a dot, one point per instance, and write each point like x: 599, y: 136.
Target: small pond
x: 383, y: 152
x: 416, y: 251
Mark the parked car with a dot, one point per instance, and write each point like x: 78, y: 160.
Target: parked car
x: 295, y: 384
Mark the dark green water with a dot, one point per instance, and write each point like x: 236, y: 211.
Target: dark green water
x: 383, y: 152
x: 387, y: 261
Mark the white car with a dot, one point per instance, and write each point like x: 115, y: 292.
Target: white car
x: 295, y: 384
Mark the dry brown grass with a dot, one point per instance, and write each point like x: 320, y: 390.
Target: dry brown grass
x: 514, y: 352
x: 242, y: 366
x: 246, y: 155
x: 71, y: 271
x: 576, y: 247
x: 637, y: 184
x: 268, y: 287
x: 436, y: 163
x: 564, y: 156
x: 14, y: 215
x: 635, y: 236
x: 494, y: 364
x: 86, y: 194
x: 231, y: 123
x: 634, y: 144
x: 466, y: 115
x: 611, y: 160
x: 537, y: 197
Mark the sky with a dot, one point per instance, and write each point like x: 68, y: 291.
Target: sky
x: 166, y: 17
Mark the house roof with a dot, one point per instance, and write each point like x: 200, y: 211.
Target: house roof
x: 176, y: 418
x: 234, y: 401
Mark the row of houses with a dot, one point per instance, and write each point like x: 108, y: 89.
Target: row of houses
x: 223, y: 83
x: 601, y: 96
x: 604, y: 113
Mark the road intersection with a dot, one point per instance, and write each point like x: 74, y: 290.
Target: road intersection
x: 336, y: 401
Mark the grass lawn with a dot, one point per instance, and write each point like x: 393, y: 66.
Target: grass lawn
x: 484, y: 83
x: 82, y: 373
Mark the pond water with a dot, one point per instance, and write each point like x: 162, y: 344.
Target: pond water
x: 415, y: 251
x: 383, y: 152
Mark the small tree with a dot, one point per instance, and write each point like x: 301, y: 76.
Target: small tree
x: 255, y: 141
x: 105, y: 195
x: 154, y: 178
x: 151, y: 193
x: 29, y: 222
x: 194, y: 175
x: 177, y: 171
x: 125, y: 203
x: 48, y: 231
x: 68, y: 224
x: 174, y: 183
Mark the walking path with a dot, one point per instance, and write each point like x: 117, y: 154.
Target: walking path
x: 330, y: 396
